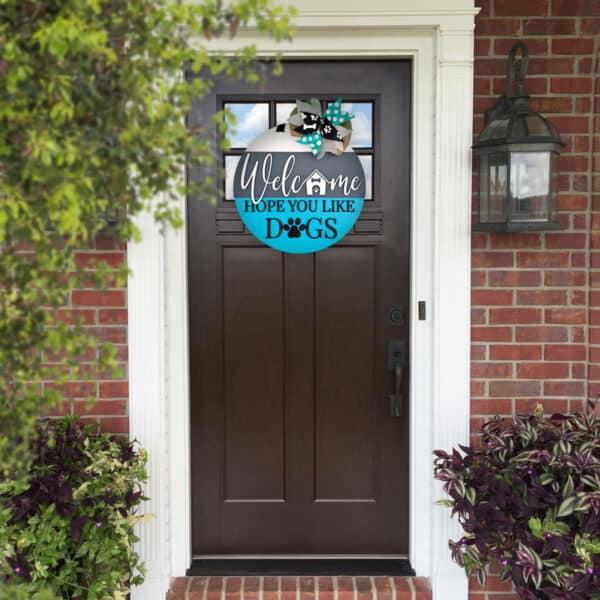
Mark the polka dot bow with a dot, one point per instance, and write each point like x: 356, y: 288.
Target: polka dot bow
x: 323, y: 132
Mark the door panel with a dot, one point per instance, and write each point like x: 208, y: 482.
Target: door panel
x: 253, y: 326
x: 344, y: 361
x: 294, y: 449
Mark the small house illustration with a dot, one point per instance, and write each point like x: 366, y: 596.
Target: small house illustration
x: 316, y: 184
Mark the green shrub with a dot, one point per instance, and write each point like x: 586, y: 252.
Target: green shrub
x: 69, y: 528
x: 93, y: 133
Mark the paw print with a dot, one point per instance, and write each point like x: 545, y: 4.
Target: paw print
x: 294, y: 228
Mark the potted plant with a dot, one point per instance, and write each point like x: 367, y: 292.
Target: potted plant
x: 529, y: 499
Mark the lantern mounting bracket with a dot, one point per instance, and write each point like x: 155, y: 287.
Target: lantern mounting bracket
x: 515, y: 74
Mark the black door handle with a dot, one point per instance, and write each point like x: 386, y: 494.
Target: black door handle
x: 395, y: 362
x: 396, y: 397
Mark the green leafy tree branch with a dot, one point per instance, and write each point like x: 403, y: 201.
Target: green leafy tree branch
x: 92, y: 132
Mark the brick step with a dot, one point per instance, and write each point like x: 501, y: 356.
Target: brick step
x: 300, y: 588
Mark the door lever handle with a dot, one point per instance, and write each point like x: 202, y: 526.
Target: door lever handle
x: 396, y: 397
x: 395, y: 360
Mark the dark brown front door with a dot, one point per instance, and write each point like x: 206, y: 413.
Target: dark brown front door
x: 294, y: 447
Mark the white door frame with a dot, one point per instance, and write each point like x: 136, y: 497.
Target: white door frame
x: 440, y: 43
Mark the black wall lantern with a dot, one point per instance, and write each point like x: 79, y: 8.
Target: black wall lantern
x: 518, y: 160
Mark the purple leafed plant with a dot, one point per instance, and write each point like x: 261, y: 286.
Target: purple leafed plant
x: 529, y: 499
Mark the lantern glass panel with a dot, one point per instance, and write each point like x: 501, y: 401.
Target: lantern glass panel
x: 530, y: 186
x: 497, y: 130
x: 536, y: 125
x: 493, y: 188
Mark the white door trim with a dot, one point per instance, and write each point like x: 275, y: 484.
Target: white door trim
x: 440, y: 44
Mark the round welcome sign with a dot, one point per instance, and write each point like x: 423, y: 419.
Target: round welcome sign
x: 299, y: 187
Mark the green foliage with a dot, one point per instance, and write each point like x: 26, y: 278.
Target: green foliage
x: 69, y: 528
x: 16, y: 592
x: 92, y: 107
x: 543, y: 529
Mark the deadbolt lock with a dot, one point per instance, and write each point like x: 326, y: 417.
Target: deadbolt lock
x: 395, y: 315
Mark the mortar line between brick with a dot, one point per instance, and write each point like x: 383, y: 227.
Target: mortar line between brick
x: 334, y: 581
x: 261, y: 581
x: 355, y: 596
x: 205, y: 590
x: 317, y: 588
x: 242, y: 585
x: 411, y: 585
x: 187, y: 589
x: 393, y: 586
x: 373, y: 588
x: 298, y: 588
x: 223, y: 587
x: 278, y: 588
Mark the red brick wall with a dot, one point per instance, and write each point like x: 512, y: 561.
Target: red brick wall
x: 536, y: 328
x: 104, y: 314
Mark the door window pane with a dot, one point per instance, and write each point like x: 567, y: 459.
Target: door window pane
x: 251, y: 119
x: 282, y: 111
x: 231, y: 163
x: 367, y: 165
x: 362, y: 124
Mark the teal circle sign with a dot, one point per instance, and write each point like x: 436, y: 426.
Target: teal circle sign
x: 292, y: 201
